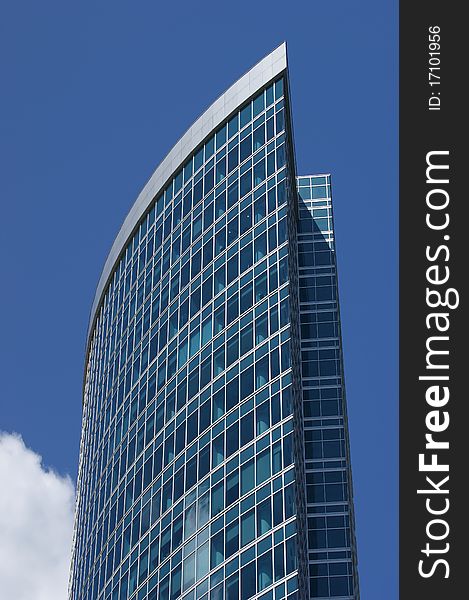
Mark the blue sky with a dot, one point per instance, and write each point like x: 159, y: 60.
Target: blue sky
x: 94, y: 94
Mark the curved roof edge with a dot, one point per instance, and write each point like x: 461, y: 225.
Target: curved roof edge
x: 263, y: 72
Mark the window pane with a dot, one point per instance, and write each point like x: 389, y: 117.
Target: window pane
x: 248, y: 527
x: 262, y: 371
x: 218, y: 453
x: 262, y: 418
x: 218, y: 498
x: 247, y: 477
x: 232, y: 539
x: 217, y: 551
x: 189, y: 521
x: 248, y: 581
x: 263, y: 466
x: 264, y: 517
x: 189, y: 571
x: 262, y: 332
x: 202, y: 561
x: 264, y: 571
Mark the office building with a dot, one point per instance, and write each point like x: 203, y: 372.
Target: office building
x: 214, y: 461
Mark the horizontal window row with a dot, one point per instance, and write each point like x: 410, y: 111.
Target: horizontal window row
x: 309, y: 258
x: 330, y: 476
x: 330, y: 569
x: 319, y: 280
x: 323, y: 355
x: 314, y: 211
x: 330, y: 492
x: 322, y: 330
x: 312, y: 180
x: 331, y: 587
x: 311, y: 193
x: 332, y: 522
x: 311, y: 206
x: 330, y: 538
x: 315, y: 226
x: 330, y: 433
x: 323, y: 368
x: 322, y: 408
x: 318, y: 316
x: 318, y: 294
x: 326, y: 449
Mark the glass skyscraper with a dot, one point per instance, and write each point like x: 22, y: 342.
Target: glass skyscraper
x: 214, y: 460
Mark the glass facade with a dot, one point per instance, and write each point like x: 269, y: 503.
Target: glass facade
x: 192, y: 479
x: 330, y: 521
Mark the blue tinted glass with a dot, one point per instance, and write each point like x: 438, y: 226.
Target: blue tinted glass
x: 278, y: 89
x: 318, y: 180
x: 188, y: 170
x: 209, y: 148
x: 258, y: 104
x: 198, y: 160
x: 178, y: 182
x: 159, y: 205
x: 233, y: 126
x: 319, y: 191
x: 189, y: 384
x: 221, y: 137
x: 245, y: 115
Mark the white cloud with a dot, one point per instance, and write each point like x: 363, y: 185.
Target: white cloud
x: 36, y: 524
